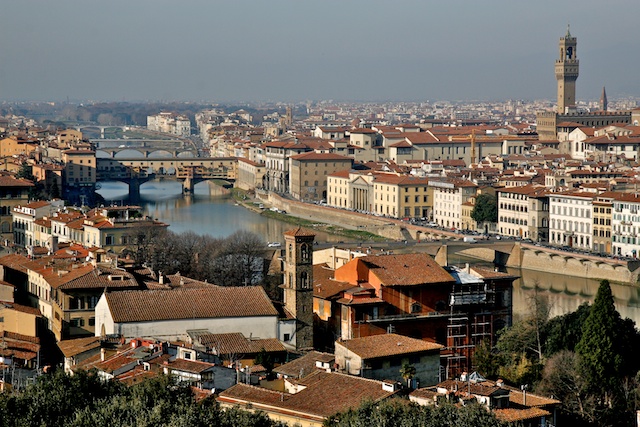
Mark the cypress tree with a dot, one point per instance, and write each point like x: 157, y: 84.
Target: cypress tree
x: 599, y: 347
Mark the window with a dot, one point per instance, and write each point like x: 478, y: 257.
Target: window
x: 287, y: 337
x: 92, y: 321
x: 77, y: 322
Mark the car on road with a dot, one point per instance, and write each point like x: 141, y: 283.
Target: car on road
x: 274, y: 245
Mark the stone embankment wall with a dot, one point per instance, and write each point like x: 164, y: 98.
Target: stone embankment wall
x: 531, y: 257
x: 523, y: 255
x: 352, y: 220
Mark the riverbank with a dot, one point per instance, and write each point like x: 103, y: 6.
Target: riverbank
x: 289, y: 213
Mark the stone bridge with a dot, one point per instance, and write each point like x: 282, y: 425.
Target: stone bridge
x: 100, y: 128
x: 146, y: 147
x: 189, y: 170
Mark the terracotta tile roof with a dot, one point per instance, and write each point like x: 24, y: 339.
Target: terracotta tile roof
x: 198, y: 303
x: 43, y: 222
x: 300, y: 232
x: 385, y: 345
x: 515, y: 414
x: 249, y: 393
x: 337, y: 392
x: 320, y: 156
x: 405, y: 269
x: 191, y: 366
x: 10, y: 181
x: 324, y: 285
x: 304, y: 365
x: 362, y: 130
x: 533, y: 400
x: 15, y: 262
x: 424, y: 393
x: 36, y: 205
x: 360, y: 301
x: 136, y: 375
x: 478, y: 388
x: 489, y: 273
x: 21, y: 308
x: 70, y: 348
x: 89, y: 277
x: 341, y: 174
x: 401, y: 144
x: 177, y: 280
x: 236, y: 343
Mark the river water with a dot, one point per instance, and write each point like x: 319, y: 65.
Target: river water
x: 209, y: 212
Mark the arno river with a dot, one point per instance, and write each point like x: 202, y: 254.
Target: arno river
x: 206, y: 212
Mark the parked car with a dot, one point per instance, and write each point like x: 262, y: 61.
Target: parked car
x: 274, y: 244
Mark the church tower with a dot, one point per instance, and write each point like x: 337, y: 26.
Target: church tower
x: 567, y: 69
x: 298, y: 283
x: 604, y: 104
x: 288, y: 116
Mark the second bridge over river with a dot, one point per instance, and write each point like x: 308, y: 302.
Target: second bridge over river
x: 190, y: 171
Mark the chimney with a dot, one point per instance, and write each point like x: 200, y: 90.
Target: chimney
x: 160, y: 278
x: 103, y: 354
x: 524, y: 394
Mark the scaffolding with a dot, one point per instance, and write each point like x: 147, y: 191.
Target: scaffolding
x: 470, y: 322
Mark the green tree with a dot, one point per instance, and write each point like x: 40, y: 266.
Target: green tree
x: 26, y: 172
x: 399, y: 413
x: 408, y: 372
x: 264, y: 359
x: 485, y: 360
x: 600, y: 348
x: 485, y: 208
x: 564, y: 332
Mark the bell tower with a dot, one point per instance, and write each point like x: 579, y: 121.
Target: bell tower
x: 298, y: 283
x: 567, y: 69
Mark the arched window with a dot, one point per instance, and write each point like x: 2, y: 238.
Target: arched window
x: 291, y: 251
x: 304, y: 280
x: 304, y: 252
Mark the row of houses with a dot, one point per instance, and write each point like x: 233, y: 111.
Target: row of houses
x: 45, y: 224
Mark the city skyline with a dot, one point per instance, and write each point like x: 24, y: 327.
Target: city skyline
x: 295, y: 51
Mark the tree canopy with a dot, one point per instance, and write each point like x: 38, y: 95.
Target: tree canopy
x: 398, y: 413
x: 84, y: 400
x: 485, y: 208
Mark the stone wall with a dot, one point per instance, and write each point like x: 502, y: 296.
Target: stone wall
x: 351, y: 220
x: 548, y: 260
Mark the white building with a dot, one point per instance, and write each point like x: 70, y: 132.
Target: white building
x: 570, y: 218
x: 626, y: 225
x: 170, y: 123
x: 524, y: 212
x: 448, y: 198
x: 24, y: 217
x: 169, y: 314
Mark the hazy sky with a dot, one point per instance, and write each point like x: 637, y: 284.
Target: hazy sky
x: 292, y: 50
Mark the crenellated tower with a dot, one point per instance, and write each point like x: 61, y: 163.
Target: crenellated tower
x: 567, y: 70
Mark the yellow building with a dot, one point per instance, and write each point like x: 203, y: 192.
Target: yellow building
x: 15, y: 145
x: 602, y: 211
x: 308, y: 174
x: 385, y: 194
x: 68, y: 137
x: 80, y: 167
